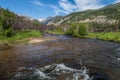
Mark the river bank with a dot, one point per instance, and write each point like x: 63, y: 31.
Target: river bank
x: 21, y: 37
x: 107, y: 36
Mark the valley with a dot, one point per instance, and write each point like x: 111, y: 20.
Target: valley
x: 81, y: 45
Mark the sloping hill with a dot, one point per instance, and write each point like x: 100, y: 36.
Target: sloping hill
x: 111, y: 13
x: 17, y: 21
x: 11, y: 23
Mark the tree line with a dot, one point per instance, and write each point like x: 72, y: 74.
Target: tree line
x: 82, y: 29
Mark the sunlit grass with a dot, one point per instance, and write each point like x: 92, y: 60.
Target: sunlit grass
x: 111, y: 36
x: 21, y: 36
x: 55, y: 31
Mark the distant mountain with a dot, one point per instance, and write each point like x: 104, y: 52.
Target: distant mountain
x: 41, y: 19
x: 109, y: 14
x: 47, y: 20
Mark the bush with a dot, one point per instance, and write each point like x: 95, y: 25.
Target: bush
x: 72, y: 30
x: 77, y: 29
x: 6, y: 21
x: 8, y: 32
x: 82, y: 29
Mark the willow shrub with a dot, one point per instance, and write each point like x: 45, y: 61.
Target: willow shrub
x: 77, y: 29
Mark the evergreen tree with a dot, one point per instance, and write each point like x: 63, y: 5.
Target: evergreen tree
x: 6, y: 22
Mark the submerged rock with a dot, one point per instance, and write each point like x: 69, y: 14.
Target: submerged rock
x: 52, y: 72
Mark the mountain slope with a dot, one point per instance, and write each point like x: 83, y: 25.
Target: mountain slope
x: 17, y: 21
x: 11, y: 23
x: 111, y: 13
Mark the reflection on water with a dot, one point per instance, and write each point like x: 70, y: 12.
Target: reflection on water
x: 100, y: 57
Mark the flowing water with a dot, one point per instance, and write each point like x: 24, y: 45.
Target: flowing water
x: 61, y: 58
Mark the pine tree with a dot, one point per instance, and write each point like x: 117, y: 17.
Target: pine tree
x: 7, y: 20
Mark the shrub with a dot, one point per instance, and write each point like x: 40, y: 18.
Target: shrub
x: 6, y: 21
x: 82, y: 29
x: 77, y: 29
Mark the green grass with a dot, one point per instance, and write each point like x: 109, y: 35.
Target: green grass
x: 55, y: 31
x: 110, y: 36
x: 20, y: 37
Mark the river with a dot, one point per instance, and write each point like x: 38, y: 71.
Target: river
x: 64, y: 58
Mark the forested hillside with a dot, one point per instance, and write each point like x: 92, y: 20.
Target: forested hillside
x: 11, y: 22
x: 15, y: 28
x: 105, y: 19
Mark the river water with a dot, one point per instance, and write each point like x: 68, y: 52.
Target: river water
x: 64, y: 58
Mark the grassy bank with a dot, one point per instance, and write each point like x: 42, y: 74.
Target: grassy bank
x: 20, y: 37
x: 55, y: 31
x: 110, y: 36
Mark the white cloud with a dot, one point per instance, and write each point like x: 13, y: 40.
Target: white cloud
x: 66, y: 5
x: 38, y: 3
x: 88, y: 4
x: 58, y: 11
x: 117, y: 1
x: 79, y: 5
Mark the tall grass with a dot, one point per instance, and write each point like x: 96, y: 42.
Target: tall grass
x: 111, y: 36
x: 20, y: 36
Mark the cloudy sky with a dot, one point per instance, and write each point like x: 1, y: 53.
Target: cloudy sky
x: 44, y: 8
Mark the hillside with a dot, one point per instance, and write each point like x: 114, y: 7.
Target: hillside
x: 12, y: 23
x: 17, y: 21
x: 15, y: 28
x: 109, y: 14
